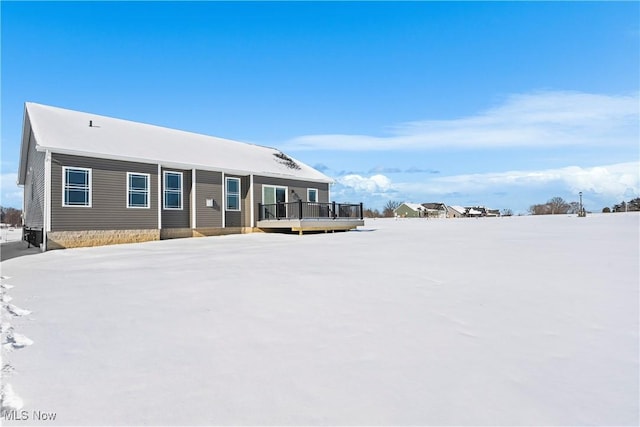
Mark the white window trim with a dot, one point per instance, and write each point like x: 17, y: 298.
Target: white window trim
x: 64, y: 185
x: 148, y: 176
x: 309, y: 190
x: 275, y: 187
x: 164, y: 190
x: 226, y: 194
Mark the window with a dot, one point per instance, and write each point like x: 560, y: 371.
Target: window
x: 137, y: 190
x: 172, y: 190
x: 233, y: 194
x: 76, y: 185
x: 312, y: 195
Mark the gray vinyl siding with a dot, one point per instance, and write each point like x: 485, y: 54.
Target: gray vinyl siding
x: 34, y: 187
x: 296, y: 189
x: 172, y: 218
x: 109, y: 196
x: 242, y: 218
x: 208, y: 186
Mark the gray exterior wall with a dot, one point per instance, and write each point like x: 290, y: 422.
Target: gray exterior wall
x: 34, y: 187
x: 109, y: 196
x: 208, y: 186
x: 178, y: 218
x: 242, y: 218
x: 299, y: 189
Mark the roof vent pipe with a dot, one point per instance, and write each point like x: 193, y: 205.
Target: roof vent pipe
x: 90, y: 123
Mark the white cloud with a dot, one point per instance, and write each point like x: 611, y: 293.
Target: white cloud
x: 615, y: 181
x: 602, y: 185
x: 523, y: 120
x: 374, y: 184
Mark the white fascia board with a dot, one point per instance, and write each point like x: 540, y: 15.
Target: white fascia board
x: 24, y: 148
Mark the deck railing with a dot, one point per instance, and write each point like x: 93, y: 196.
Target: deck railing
x: 309, y: 210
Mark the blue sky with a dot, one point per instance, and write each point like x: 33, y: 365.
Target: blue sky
x: 502, y: 104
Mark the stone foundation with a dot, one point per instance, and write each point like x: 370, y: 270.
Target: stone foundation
x: 86, y: 238
x: 217, y: 231
x: 79, y: 239
x: 175, y: 233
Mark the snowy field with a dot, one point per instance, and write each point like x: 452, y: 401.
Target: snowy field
x: 497, y: 321
x: 10, y: 234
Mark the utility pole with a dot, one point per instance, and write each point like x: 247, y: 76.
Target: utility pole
x: 581, y: 211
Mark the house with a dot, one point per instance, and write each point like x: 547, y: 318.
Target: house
x: 474, y: 212
x: 409, y: 210
x: 92, y: 180
x: 435, y: 210
x: 456, y: 212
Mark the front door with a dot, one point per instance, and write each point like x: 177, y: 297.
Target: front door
x: 274, y: 200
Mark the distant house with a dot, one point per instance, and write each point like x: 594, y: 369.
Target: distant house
x: 409, y: 210
x: 456, y: 212
x: 473, y: 212
x: 435, y: 210
x: 93, y: 180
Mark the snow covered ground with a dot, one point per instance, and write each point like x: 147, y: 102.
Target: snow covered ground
x: 509, y: 321
x: 10, y: 234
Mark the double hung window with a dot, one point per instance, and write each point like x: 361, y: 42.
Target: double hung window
x: 137, y: 190
x: 312, y: 195
x: 76, y: 187
x: 172, y: 190
x: 233, y: 194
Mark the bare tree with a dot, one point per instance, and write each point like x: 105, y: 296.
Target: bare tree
x: 389, y: 208
x: 554, y: 206
x: 507, y: 212
x: 558, y: 206
x: 574, y: 208
x: 539, y: 209
x: 11, y: 216
x: 371, y: 213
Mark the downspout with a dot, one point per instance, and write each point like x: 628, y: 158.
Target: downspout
x: 223, y: 205
x: 159, y: 197
x: 193, y: 199
x: 47, y: 199
x: 253, y: 219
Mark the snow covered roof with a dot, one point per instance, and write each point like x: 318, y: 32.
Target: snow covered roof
x: 66, y: 131
x: 413, y: 206
x: 458, y: 209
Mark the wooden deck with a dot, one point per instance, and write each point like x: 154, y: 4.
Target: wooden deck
x: 310, y: 216
x: 310, y: 224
